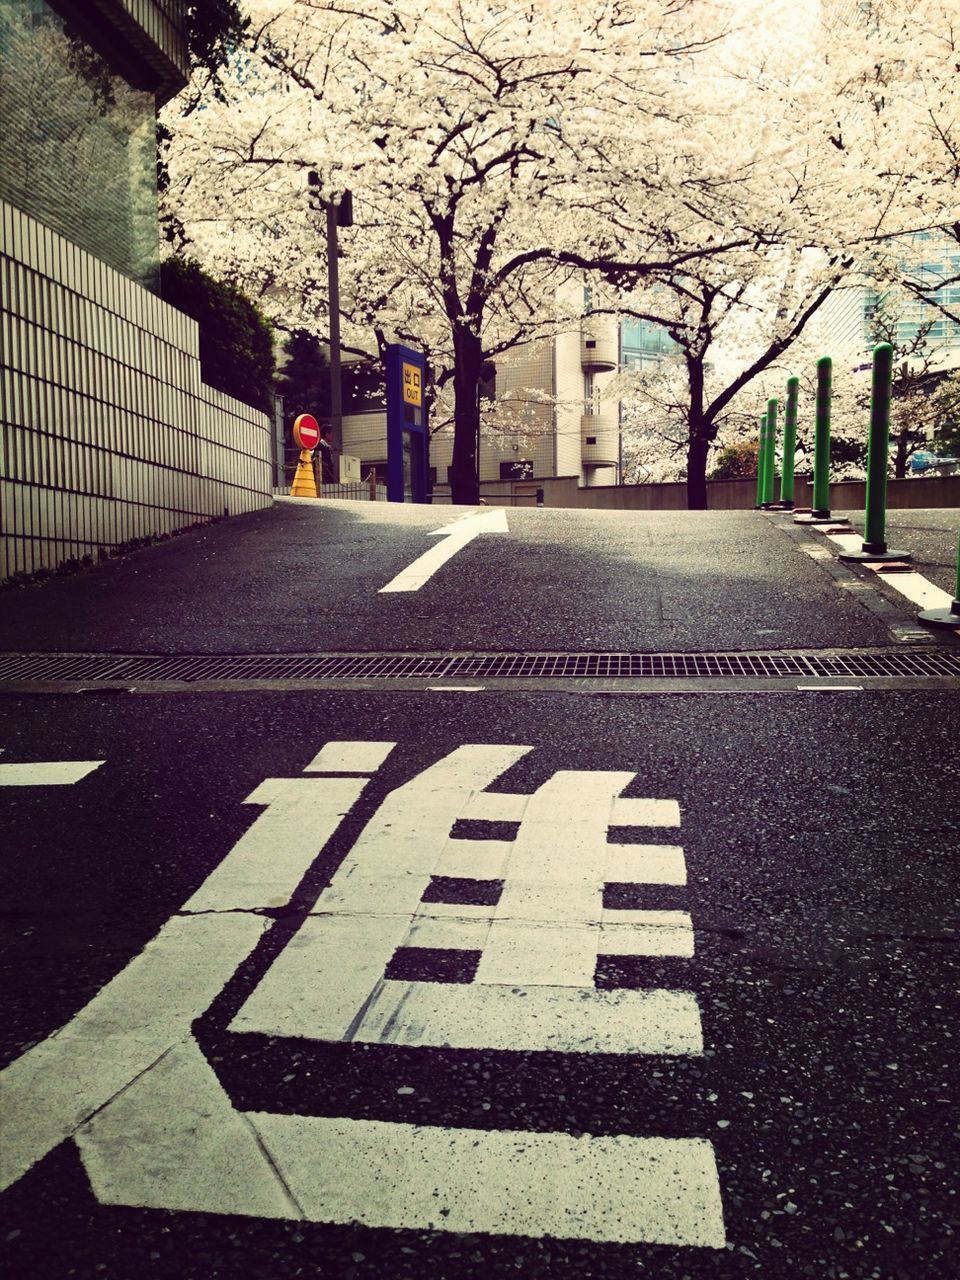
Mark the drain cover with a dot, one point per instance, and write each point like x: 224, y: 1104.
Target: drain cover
x: 145, y: 668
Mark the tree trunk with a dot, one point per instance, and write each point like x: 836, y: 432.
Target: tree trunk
x: 698, y: 438
x: 698, y: 447
x: 900, y: 457
x: 468, y: 364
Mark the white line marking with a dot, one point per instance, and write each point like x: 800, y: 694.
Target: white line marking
x: 645, y: 864
x: 831, y: 688
x: 535, y: 1018
x: 917, y: 589
x: 129, y: 1024
x: 455, y: 537
x: 174, y: 1141
x: 350, y: 757
x: 455, y: 688
x: 645, y: 940
x: 51, y: 773
x: 623, y: 1189
x: 271, y: 858
x: 132, y: 1021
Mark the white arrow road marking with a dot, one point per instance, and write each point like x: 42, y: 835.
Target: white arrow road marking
x: 49, y: 773
x: 455, y: 538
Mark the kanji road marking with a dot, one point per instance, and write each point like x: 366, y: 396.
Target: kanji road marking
x: 155, y: 1128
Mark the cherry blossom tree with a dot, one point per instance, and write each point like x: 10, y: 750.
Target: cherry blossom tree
x: 492, y: 151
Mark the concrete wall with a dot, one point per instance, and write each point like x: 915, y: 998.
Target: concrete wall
x: 109, y: 434
x: 722, y: 495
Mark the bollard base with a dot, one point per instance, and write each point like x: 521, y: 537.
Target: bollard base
x: 942, y: 617
x: 820, y: 519
x: 875, y: 551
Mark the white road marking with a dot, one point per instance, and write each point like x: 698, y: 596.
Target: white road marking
x: 155, y: 1128
x: 149, y: 1006
x: 49, y: 773
x: 53, y: 1087
x: 269, y: 861
x: 826, y: 688
x: 350, y: 757
x: 625, y: 1189
x: 455, y: 688
x: 534, y: 986
x: 455, y: 537
x: 531, y: 1018
x: 174, y: 1141
x: 917, y: 589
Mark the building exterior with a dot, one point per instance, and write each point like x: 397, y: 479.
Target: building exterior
x: 109, y: 433
x: 549, y: 413
x: 843, y: 324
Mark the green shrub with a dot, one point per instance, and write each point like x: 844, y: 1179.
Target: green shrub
x: 236, y: 343
x: 737, y: 462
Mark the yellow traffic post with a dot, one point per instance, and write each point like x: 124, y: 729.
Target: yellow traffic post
x: 306, y: 434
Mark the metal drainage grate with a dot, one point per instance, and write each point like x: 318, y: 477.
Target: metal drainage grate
x: 406, y: 666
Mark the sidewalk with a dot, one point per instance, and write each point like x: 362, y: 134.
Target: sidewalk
x: 305, y: 577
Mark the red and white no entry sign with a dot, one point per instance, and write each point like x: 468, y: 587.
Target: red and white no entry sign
x: 306, y: 431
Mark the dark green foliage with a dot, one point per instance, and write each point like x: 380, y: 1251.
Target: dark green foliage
x: 304, y: 380
x: 737, y: 462
x: 236, y: 343
x: 215, y: 28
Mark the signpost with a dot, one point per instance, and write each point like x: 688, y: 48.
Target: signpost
x: 406, y: 424
x: 306, y: 436
x: 306, y: 431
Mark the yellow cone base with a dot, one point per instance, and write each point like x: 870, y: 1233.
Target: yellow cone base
x: 304, y: 482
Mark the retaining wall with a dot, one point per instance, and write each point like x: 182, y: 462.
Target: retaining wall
x: 109, y: 433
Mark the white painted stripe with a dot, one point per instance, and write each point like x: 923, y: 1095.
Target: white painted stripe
x: 129, y: 1024
x: 555, y: 877
x: 449, y: 934
x: 645, y: 864
x: 645, y: 813
x: 539, y: 955
x: 495, y: 806
x: 372, y: 898
x: 618, y: 1189
x: 350, y: 757
x: 917, y: 589
x: 50, y: 773
x: 645, y: 940
x: 658, y: 919
x: 846, y: 541
x: 174, y: 1141
x: 271, y: 858
x: 455, y: 688
x: 535, y: 1018
x: 474, y: 859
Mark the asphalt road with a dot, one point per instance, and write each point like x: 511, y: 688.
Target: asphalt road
x: 725, y: 1049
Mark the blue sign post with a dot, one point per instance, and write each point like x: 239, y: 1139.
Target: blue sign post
x: 406, y: 424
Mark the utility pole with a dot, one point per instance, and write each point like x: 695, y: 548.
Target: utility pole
x: 339, y: 214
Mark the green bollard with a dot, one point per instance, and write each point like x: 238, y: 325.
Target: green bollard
x: 878, y: 457
x: 770, y: 458
x: 820, y: 501
x: 789, y: 445
x: 761, y: 460
x: 949, y: 617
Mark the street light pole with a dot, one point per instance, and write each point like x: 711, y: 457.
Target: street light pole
x: 333, y: 296
x: 338, y: 214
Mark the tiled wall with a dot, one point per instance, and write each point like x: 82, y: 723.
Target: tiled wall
x: 109, y: 433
